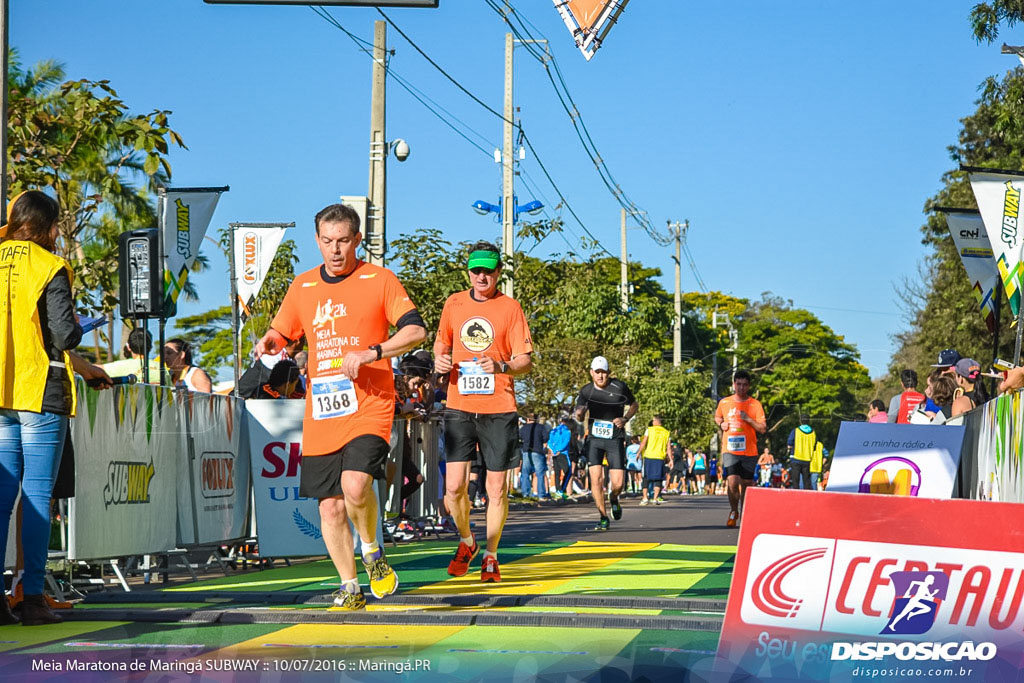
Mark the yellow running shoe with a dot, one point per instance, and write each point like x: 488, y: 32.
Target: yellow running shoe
x: 383, y: 580
x: 352, y: 602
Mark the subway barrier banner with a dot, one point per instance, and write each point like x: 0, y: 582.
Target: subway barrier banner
x: 286, y: 524
x: 999, y: 466
x: 127, y: 445
x: 217, y: 463
x: 900, y: 459
x: 972, y: 243
x: 842, y: 587
x: 998, y: 197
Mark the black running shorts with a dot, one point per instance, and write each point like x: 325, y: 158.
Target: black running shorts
x: 320, y: 475
x: 497, y: 434
x: 743, y: 466
x: 615, y: 449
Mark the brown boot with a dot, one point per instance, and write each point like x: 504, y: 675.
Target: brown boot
x: 7, y: 617
x: 35, y: 612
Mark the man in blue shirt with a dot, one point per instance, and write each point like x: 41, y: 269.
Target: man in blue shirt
x: 558, y: 445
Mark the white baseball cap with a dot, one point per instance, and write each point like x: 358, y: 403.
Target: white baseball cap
x: 599, y: 363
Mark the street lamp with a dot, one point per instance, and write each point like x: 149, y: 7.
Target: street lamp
x: 532, y: 207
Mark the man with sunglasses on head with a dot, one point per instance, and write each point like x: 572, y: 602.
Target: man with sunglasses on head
x: 610, y: 405
x: 482, y: 343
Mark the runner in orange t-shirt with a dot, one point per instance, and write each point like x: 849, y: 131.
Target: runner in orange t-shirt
x: 741, y: 419
x: 483, y: 341
x: 345, y: 309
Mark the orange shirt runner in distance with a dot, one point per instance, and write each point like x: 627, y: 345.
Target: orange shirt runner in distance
x: 337, y: 317
x: 495, y: 328
x: 740, y: 436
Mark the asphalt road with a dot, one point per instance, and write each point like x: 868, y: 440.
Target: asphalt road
x: 687, y: 520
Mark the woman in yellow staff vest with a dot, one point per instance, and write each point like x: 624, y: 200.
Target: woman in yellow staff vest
x: 37, y: 393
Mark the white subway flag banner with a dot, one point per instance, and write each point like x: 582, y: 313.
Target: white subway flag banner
x: 185, y: 217
x: 972, y: 243
x: 998, y: 197
x: 255, y: 248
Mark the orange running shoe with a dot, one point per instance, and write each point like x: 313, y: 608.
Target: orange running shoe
x: 489, y: 572
x: 733, y: 516
x: 463, y: 556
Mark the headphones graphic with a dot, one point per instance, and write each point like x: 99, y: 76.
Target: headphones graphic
x: 866, y: 487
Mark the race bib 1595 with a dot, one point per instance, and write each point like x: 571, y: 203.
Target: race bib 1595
x: 603, y: 429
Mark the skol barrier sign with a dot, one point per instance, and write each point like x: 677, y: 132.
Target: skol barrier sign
x: 841, y: 586
x: 287, y: 524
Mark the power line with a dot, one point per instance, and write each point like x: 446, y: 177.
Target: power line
x: 359, y: 43
x: 576, y: 117
x: 439, y: 68
x: 483, y: 104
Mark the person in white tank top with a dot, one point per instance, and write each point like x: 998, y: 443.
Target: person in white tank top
x: 178, y: 359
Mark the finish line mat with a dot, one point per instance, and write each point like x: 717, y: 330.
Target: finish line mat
x: 641, y: 608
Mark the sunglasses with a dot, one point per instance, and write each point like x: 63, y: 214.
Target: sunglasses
x: 478, y: 270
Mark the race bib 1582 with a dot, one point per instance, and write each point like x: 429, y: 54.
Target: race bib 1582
x: 473, y: 379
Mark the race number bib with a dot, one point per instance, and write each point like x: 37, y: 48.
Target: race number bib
x: 333, y: 396
x: 736, y: 443
x: 603, y: 429
x: 473, y: 379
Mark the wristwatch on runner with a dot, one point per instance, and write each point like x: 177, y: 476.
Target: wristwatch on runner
x: 502, y: 367
x: 379, y: 350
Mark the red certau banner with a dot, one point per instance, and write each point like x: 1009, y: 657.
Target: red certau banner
x: 834, y: 586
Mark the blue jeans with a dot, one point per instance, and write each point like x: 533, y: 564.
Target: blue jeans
x: 533, y: 463
x: 30, y: 448
x: 815, y: 476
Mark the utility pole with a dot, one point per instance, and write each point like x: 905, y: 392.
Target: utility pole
x: 507, y: 175
x: 714, y: 359
x: 678, y: 230
x: 376, y: 233
x: 624, y: 268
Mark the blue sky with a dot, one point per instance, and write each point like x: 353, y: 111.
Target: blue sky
x: 800, y: 139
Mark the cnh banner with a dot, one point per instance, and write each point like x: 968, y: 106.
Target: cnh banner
x: 972, y: 243
x: 255, y: 248
x: 184, y: 216
x: 998, y: 197
x: 846, y: 587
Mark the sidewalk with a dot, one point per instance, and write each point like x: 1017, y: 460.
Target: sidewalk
x: 565, y: 606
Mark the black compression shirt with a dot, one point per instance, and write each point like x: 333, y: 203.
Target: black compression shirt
x: 606, y: 404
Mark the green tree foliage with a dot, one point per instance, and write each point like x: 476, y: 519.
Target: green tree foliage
x: 803, y: 371
x: 942, y: 308
x: 987, y: 16
x: 78, y: 140
x: 210, y: 332
x: 574, y: 309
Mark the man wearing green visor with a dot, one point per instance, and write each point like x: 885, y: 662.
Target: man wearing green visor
x: 483, y: 342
